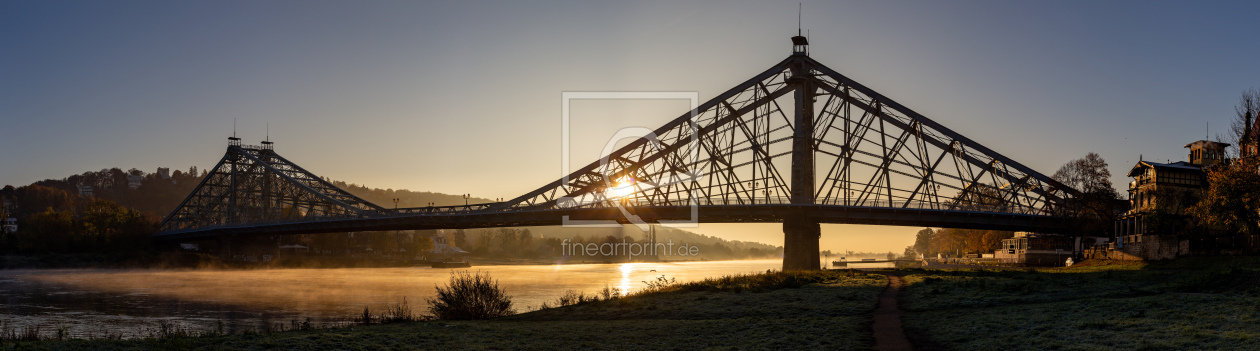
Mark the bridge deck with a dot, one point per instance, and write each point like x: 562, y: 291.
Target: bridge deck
x: 704, y: 214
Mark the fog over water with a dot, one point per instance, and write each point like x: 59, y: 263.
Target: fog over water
x: 97, y: 302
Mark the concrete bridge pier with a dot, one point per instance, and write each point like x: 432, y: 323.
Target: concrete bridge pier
x: 800, y: 243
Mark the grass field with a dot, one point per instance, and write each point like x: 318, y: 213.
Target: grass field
x: 812, y: 310
x: 1192, y: 303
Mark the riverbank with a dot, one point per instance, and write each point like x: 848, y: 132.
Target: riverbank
x: 1197, y: 303
x: 818, y: 310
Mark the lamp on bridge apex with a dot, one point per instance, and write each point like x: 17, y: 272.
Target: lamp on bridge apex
x: 395, y: 203
x: 466, y: 199
x: 800, y: 45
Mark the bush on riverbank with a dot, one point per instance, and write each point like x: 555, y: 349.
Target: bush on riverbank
x: 471, y: 296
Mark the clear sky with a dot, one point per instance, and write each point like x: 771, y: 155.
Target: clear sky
x: 464, y: 97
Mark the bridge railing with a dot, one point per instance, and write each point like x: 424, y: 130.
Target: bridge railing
x: 441, y: 209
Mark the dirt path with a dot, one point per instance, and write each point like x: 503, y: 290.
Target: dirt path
x: 887, y: 328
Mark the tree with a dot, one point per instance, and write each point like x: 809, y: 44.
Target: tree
x: 1087, y: 174
x: 1093, y: 210
x: 1167, y: 214
x: 524, y: 237
x: 423, y: 241
x: 923, y: 242
x: 484, y: 238
x: 910, y: 253
x: 461, y: 238
x: 1248, y: 107
x: 1231, y: 201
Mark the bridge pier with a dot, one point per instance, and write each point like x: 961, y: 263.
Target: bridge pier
x: 800, y: 243
x: 801, y: 230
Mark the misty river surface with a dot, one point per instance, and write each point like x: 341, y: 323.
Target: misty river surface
x: 132, y: 303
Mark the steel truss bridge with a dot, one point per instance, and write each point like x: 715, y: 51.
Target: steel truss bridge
x: 798, y: 143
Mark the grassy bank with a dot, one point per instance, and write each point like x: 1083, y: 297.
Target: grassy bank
x: 1199, y: 303
x: 814, y: 310
x: 1194, y: 303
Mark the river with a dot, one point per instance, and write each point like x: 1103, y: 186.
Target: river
x: 132, y: 303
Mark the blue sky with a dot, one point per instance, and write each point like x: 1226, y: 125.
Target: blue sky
x: 463, y: 97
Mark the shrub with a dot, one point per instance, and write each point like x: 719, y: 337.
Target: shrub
x: 470, y: 296
x: 660, y: 284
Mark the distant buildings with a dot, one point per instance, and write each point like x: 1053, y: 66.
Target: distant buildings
x: 133, y: 181
x: 85, y: 190
x: 1035, y: 249
x: 442, y: 247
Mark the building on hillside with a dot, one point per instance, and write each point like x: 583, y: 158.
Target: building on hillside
x: 164, y: 172
x: 134, y: 181
x: 442, y: 247
x: 10, y: 225
x: 85, y: 190
x: 1035, y: 249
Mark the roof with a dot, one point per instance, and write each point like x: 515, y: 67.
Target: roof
x: 1208, y: 143
x: 1181, y: 165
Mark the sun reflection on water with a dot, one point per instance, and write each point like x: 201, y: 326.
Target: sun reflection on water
x: 626, y: 269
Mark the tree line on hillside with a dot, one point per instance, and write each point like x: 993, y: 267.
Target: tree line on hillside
x: 57, y: 221
x: 156, y: 195
x: 406, y: 198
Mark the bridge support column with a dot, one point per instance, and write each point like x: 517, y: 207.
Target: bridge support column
x: 800, y: 230
x: 800, y: 243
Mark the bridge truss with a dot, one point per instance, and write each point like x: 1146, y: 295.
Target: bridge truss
x: 798, y: 139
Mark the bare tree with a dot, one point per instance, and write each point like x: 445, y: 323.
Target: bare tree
x: 1248, y: 104
x: 1094, y: 208
x: 1087, y: 174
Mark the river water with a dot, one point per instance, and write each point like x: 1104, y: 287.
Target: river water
x: 132, y: 303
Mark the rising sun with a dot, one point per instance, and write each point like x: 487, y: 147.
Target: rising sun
x: 625, y: 186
